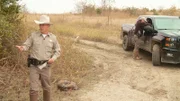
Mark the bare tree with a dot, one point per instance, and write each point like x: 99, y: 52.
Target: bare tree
x: 107, y: 6
x: 80, y: 5
x: 104, y: 4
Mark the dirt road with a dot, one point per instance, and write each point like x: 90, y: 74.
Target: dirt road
x: 118, y: 77
x: 125, y: 79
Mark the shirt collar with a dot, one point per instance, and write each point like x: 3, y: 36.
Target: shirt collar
x: 47, y: 34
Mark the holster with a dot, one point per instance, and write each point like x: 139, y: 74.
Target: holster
x: 28, y: 61
x: 35, y: 62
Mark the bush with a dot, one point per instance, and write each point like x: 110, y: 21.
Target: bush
x: 10, y: 24
x: 98, y: 11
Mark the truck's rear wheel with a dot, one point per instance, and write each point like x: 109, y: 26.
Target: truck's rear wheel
x: 156, y: 55
x: 125, y: 44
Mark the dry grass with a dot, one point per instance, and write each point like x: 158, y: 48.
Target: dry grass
x: 86, y: 27
x: 72, y: 65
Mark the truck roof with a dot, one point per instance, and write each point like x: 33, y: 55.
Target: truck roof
x: 159, y: 16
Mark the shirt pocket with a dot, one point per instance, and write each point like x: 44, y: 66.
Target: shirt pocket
x: 36, y: 44
x: 49, y: 48
x: 49, y: 45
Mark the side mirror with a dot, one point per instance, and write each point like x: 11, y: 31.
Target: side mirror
x: 155, y: 31
x: 154, y: 34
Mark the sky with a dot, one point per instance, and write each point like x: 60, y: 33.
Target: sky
x: 65, y: 6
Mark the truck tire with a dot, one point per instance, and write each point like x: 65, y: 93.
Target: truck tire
x: 125, y: 43
x: 156, y: 55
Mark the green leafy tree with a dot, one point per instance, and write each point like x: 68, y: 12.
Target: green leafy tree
x: 10, y: 22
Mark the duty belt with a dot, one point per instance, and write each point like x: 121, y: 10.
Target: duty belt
x: 35, y: 62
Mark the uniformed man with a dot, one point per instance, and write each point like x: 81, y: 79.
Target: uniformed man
x: 45, y: 50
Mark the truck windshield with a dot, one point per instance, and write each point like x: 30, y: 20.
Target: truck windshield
x: 167, y: 23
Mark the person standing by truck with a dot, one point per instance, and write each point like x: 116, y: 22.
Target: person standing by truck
x: 139, y: 28
x: 45, y: 49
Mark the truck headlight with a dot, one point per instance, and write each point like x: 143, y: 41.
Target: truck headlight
x: 170, y: 45
x: 171, y: 39
x: 171, y: 42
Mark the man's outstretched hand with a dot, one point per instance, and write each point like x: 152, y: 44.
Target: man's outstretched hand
x: 50, y: 61
x: 20, y: 48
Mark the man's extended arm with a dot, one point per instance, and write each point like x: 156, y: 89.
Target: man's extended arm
x: 26, y: 45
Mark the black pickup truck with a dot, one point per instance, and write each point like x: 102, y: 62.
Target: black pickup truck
x: 164, y: 45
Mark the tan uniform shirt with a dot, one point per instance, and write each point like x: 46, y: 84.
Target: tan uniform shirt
x: 42, y: 48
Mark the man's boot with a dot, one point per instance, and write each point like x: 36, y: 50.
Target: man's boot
x: 46, y: 95
x: 33, y: 95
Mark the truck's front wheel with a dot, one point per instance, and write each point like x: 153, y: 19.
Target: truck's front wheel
x: 156, y: 55
x: 125, y: 44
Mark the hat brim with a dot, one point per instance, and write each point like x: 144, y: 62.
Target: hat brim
x: 39, y: 22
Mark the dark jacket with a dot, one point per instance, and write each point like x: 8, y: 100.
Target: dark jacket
x: 139, y: 26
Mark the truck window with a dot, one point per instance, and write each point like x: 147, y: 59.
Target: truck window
x: 167, y: 23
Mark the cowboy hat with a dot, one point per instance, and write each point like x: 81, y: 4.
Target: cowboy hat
x: 44, y: 19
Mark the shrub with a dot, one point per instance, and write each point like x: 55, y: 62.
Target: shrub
x: 10, y: 24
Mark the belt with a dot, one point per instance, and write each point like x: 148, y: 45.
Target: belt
x: 36, y: 62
